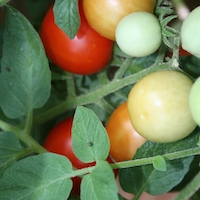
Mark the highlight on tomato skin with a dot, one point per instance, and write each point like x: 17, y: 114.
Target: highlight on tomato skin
x: 124, y: 140
x: 87, y: 53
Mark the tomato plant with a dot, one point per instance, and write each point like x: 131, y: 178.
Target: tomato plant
x: 35, y: 95
x: 124, y: 140
x: 190, y: 32
x: 139, y: 34
x: 104, y: 15
x: 86, y: 53
x: 159, y: 107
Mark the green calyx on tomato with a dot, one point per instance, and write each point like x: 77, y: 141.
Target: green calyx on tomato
x: 87, y: 53
x: 124, y: 140
x: 158, y: 106
x: 104, y: 15
x: 139, y: 34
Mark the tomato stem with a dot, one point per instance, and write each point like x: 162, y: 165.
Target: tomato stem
x: 146, y: 161
x: 97, y: 94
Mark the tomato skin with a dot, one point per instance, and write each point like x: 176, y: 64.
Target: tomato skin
x: 124, y: 140
x: 59, y: 141
x: 104, y: 15
x: 158, y: 106
x: 190, y: 32
x: 85, y: 54
x: 194, y: 101
x: 139, y: 34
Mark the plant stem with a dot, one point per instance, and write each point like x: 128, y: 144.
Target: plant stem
x: 145, y: 161
x: 190, y: 189
x: 33, y: 145
x: 97, y: 94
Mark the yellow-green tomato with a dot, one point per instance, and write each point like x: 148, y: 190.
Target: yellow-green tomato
x: 139, y: 34
x: 194, y: 101
x: 190, y: 33
x: 158, y: 106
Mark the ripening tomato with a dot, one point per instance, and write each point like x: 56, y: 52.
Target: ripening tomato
x: 158, y: 106
x: 104, y: 15
x: 124, y: 140
x: 59, y: 141
x: 86, y: 53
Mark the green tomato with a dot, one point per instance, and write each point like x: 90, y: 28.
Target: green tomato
x: 158, y: 106
x: 194, y: 101
x: 190, y: 33
x: 139, y: 34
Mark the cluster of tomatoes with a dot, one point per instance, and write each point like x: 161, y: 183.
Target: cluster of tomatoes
x: 91, y: 49
x: 158, y: 107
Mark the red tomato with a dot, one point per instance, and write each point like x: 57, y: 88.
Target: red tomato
x: 124, y: 140
x: 59, y: 141
x: 86, y: 53
x: 183, y: 52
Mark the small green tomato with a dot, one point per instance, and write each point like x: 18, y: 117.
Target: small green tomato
x: 139, y: 34
x: 190, y: 33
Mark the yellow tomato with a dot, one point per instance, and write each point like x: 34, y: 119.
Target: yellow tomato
x: 158, y: 106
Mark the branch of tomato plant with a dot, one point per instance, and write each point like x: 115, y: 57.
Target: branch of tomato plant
x: 139, y: 162
x: 70, y: 84
x: 123, y: 68
x: 190, y: 189
x: 106, y: 106
x: 150, y: 160
x: 97, y: 94
x: 32, y: 145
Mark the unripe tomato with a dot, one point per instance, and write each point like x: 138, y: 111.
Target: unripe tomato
x: 124, y: 140
x: 86, y: 53
x: 139, y: 34
x: 104, y: 15
x: 59, y: 141
x: 190, y: 33
x: 194, y: 100
x: 158, y: 106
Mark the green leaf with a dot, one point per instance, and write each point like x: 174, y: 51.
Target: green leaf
x: 10, y: 148
x: 191, y: 65
x: 151, y: 180
x: 25, y: 76
x: 89, y: 138
x: 45, y: 176
x: 100, y: 183
x: 67, y: 16
x: 159, y: 163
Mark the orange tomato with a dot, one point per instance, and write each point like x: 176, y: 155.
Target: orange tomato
x: 124, y: 140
